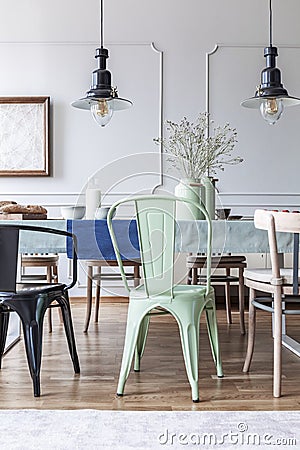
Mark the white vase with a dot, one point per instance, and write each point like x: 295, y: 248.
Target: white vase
x: 210, y: 195
x: 93, y: 202
x: 190, y: 190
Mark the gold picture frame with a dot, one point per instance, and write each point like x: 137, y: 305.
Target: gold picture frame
x: 24, y: 136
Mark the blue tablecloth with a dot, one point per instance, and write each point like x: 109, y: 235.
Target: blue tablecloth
x: 94, y: 240
x: 237, y: 237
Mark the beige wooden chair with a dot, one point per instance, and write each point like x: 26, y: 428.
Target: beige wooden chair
x: 38, y: 260
x: 99, y: 276
x: 196, y: 263
x: 281, y: 283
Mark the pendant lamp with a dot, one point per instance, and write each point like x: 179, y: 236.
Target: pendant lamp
x: 102, y: 99
x: 270, y: 96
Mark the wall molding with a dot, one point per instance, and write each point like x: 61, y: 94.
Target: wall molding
x: 116, y: 194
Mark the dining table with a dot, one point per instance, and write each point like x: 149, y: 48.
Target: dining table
x: 93, y: 242
x: 229, y: 236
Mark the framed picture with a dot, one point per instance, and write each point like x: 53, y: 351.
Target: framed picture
x: 24, y: 136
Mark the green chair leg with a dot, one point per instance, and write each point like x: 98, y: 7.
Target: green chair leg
x: 190, y: 347
x: 141, y: 342
x: 211, y: 320
x: 189, y: 326
x: 136, y: 314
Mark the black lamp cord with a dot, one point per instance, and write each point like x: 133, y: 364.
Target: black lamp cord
x: 271, y: 25
x: 101, y: 23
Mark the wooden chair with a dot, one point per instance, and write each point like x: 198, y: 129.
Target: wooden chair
x: 156, y: 224
x: 196, y: 263
x: 38, y: 260
x: 99, y: 276
x: 281, y: 283
x: 31, y: 301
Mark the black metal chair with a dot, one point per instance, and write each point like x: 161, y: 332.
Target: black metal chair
x: 30, y: 301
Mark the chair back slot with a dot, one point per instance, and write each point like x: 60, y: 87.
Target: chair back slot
x: 156, y: 225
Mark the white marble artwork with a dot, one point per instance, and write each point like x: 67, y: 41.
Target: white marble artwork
x: 22, y: 137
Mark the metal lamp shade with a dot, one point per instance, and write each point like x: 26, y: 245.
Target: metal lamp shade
x: 256, y: 101
x: 116, y: 104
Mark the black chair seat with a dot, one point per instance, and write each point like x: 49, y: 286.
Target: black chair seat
x: 23, y: 288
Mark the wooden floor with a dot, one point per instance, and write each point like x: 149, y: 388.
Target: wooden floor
x: 162, y: 382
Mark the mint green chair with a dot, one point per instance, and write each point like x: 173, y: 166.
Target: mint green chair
x: 156, y: 224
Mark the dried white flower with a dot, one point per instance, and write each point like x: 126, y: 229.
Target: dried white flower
x: 193, y: 152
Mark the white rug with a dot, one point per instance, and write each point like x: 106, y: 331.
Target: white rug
x: 122, y: 430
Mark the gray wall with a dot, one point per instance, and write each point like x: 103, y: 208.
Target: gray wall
x: 51, y: 50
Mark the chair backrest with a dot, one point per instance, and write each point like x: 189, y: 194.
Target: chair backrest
x: 9, y: 246
x: 284, y: 222
x: 156, y: 225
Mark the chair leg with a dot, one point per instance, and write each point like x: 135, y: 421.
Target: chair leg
x: 137, y: 276
x: 194, y: 276
x: 97, y: 295
x: 32, y: 318
x: 89, y: 293
x: 49, y: 280
x: 141, y: 342
x: 189, y: 277
x: 189, y: 325
x: 251, y: 331
x: 228, y: 298
x: 211, y: 320
x: 242, y: 300
x: 33, y: 344
x: 68, y: 324
x: 277, y: 341
x: 136, y: 314
x: 55, y: 279
x: 4, y: 319
x: 31, y: 312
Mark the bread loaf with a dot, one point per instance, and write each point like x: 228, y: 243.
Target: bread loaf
x: 7, y: 202
x: 22, y: 209
x: 36, y: 209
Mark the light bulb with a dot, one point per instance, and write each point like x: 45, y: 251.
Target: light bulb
x: 271, y: 109
x: 101, y: 112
